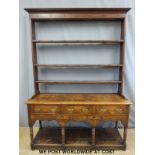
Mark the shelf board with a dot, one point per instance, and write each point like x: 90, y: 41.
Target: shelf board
x: 79, y: 42
x: 78, y: 65
x: 77, y: 82
x: 38, y: 10
x: 76, y: 137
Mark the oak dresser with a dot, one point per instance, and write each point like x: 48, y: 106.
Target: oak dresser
x: 91, y: 108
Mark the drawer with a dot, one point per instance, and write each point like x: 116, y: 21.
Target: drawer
x: 78, y: 118
x: 77, y: 110
x: 112, y: 110
x: 46, y: 116
x: 53, y: 109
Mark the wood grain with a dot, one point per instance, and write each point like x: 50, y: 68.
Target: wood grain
x: 104, y: 99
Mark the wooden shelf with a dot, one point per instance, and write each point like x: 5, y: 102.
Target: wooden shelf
x: 79, y: 138
x: 77, y: 82
x: 77, y: 14
x: 47, y: 10
x: 79, y: 42
x: 78, y: 65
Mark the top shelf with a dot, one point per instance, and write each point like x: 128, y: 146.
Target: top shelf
x: 79, y: 42
x: 32, y: 10
x: 72, y: 14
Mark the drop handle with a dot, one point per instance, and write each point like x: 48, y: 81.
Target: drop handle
x: 92, y: 117
x: 103, y: 110
x: 53, y: 110
x: 70, y: 110
x: 85, y: 110
x: 119, y: 110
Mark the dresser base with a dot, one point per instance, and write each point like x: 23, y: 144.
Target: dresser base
x: 89, y: 108
x: 78, y: 138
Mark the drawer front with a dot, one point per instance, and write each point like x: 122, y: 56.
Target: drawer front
x: 111, y: 110
x: 49, y: 117
x: 53, y: 109
x: 78, y: 110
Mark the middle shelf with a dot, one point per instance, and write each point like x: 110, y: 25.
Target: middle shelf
x: 79, y: 42
x: 77, y: 82
x: 78, y: 65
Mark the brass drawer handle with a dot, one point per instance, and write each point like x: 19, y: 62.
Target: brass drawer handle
x: 37, y: 109
x: 92, y: 117
x: 53, y: 110
x: 119, y: 110
x: 85, y: 110
x: 103, y: 110
x: 70, y: 110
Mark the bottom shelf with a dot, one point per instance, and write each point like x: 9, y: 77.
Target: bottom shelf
x: 78, y: 138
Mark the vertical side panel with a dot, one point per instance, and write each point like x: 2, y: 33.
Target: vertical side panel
x: 122, y: 51
x: 34, y: 56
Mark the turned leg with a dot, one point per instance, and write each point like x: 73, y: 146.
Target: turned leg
x: 40, y: 123
x: 93, y: 136
x: 63, y: 135
x: 125, y: 134
x: 124, y: 137
x: 31, y: 137
x: 116, y: 124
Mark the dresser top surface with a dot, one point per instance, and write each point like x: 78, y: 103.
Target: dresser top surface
x: 46, y: 98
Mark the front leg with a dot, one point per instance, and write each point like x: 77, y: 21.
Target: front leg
x: 63, y: 135
x: 124, y: 137
x: 31, y: 123
x: 40, y: 123
x: 93, y: 136
x: 31, y: 137
x: 125, y: 124
x: 116, y: 124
